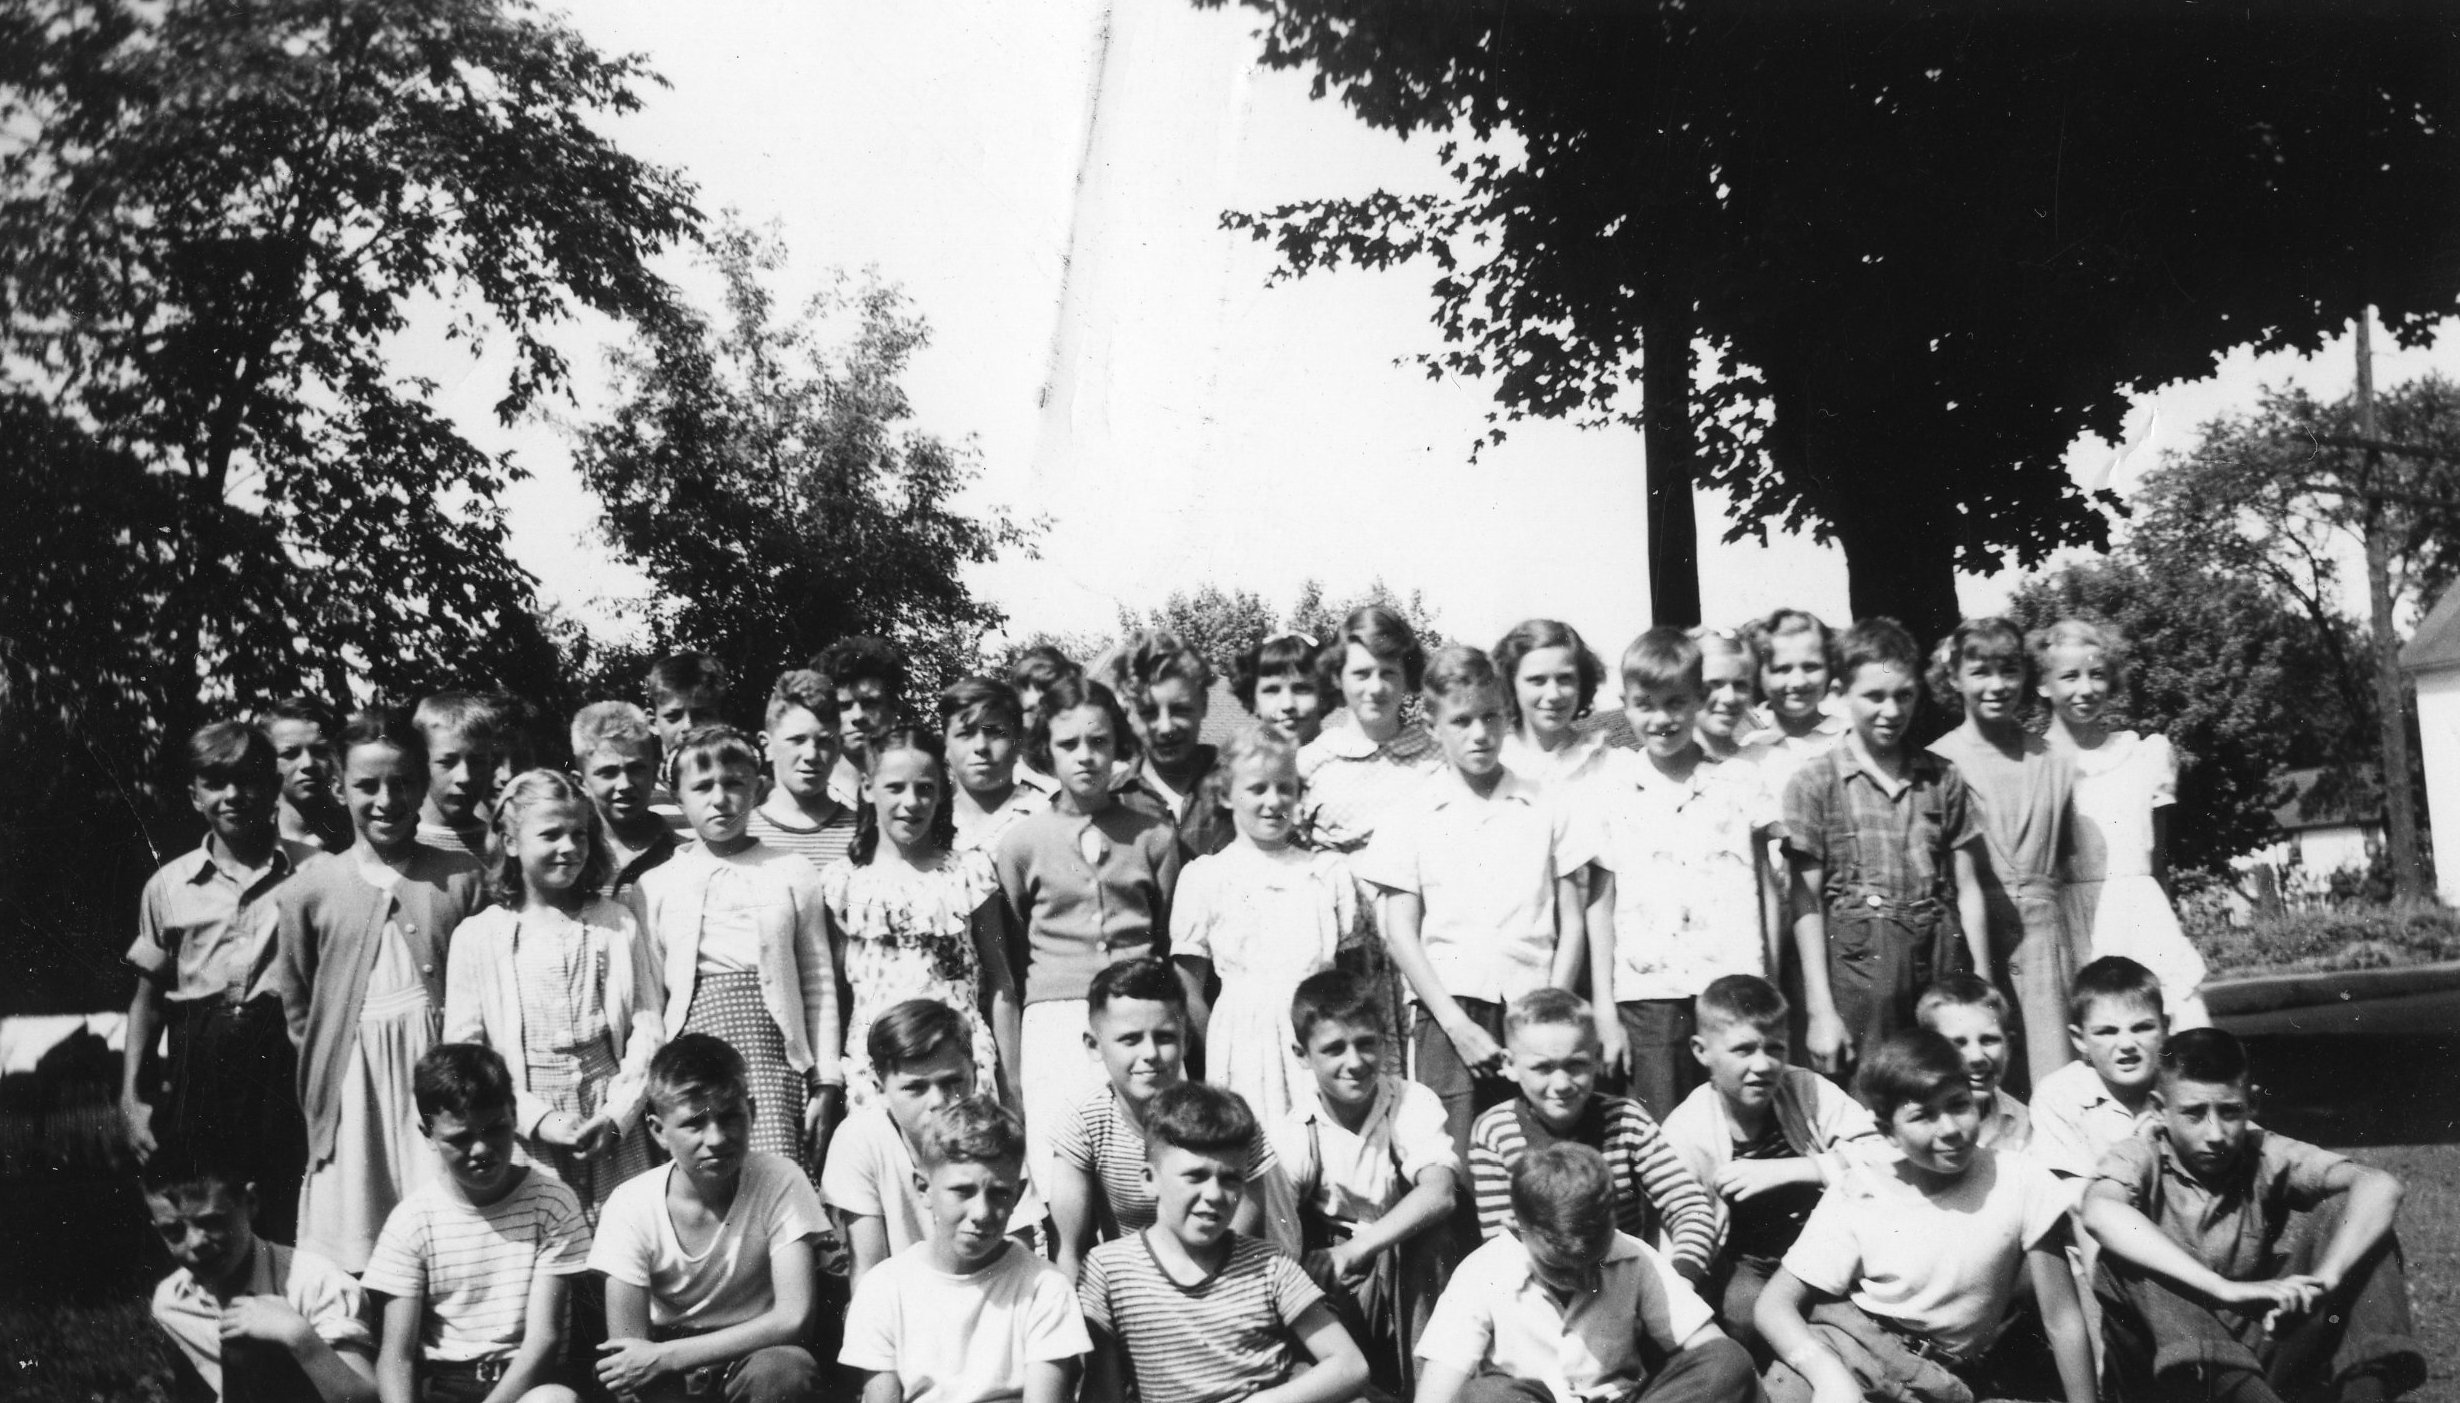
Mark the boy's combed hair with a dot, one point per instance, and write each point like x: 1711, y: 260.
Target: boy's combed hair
x: 1256, y: 743
x: 2112, y: 977
x: 1548, y: 1007
x: 922, y: 740
x: 1565, y: 1193
x: 1041, y: 666
x: 460, y: 1079
x: 1881, y: 642
x: 2078, y: 632
x: 231, y: 750
x: 312, y: 710
x: 987, y: 696
x: 1148, y: 657
x: 706, y: 748
x: 463, y: 714
x: 1990, y: 637
x: 1458, y: 669
x: 807, y: 689
x: 1066, y: 695
x: 862, y: 659
x: 2206, y: 1055
x: 1529, y: 636
x: 1740, y: 998
x: 529, y: 792
x: 1785, y: 623
x: 1961, y: 991
x: 1663, y: 658
x: 603, y: 725
x: 1282, y: 655
x: 180, y: 1167
x: 1201, y: 1117
x: 975, y: 1130
x: 1333, y: 996
x: 388, y: 726
x: 1147, y: 980
x: 686, y: 674
x: 916, y: 1030
x: 1908, y: 1068
x: 1730, y: 643
x: 1385, y: 635
x: 697, y: 1067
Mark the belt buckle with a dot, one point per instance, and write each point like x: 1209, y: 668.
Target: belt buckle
x: 704, y: 1381
x: 491, y: 1369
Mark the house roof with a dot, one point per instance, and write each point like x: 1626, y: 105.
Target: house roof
x: 2330, y: 797
x: 2436, y: 644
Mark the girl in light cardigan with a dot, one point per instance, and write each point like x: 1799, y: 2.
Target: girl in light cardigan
x: 563, y: 983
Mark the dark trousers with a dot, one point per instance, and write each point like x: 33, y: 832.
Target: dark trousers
x: 1435, y: 1065
x: 1386, y: 1310
x: 1900, y: 1368
x: 1881, y: 958
x: 1713, y: 1371
x: 1663, y: 1071
x: 234, y: 1099
x: 2162, y: 1346
x: 1734, y: 1289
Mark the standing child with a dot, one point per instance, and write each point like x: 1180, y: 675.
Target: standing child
x: 562, y: 982
x: 1971, y: 1014
x: 802, y: 814
x: 1190, y: 1310
x: 917, y: 921
x: 2117, y: 895
x: 1368, y: 758
x: 1883, y: 846
x: 1372, y: 1169
x: 984, y: 727
x: 2084, y: 1109
x: 1166, y: 687
x: 361, y: 969
x: 1799, y: 668
x: 745, y: 934
x: 1550, y: 683
x: 1275, y: 680
x: 1086, y: 884
x: 461, y: 765
x: 1032, y: 675
x: 204, y: 956
x: 685, y: 693
x: 616, y: 755
x: 305, y: 732
x: 1481, y: 893
x: 1263, y: 915
x: 1730, y: 680
x: 2018, y: 791
x: 866, y: 678
x: 967, y: 1316
x: 1902, y: 1280
x: 474, y: 1268
x: 709, y: 1262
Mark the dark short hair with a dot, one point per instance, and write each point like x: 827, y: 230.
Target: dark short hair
x: 683, y: 675
x: 1531, y: 635
x: 1878, y: 641
x: 1385, y: 635
x: 860, y: 659
x: 1041, y: 666
x: 1148, y: 657
x: 925, y: 741
x: 1740, y: 998
x: 804, y: 688
x: 181, y: 1165
x: 696, y: 1067
x: 710, y: 748
x: 460, y: 1079
x: 1149, y: 979
x: 1909, y: 1067
x: 2112, y: 977
x: 975, y: 1130
x: 1333, y: 996
x: 1457, y: 668
x: 1282, y: 655
x: 231, y: 750
x: 915, y: 1031
x: 1564, y: 1192
x: 1199, y: 1116
x: 988, y: 695
x: 1066, y: 694
x: 2206, y: 1055
x: 1664, y: 657
x: 302, y: 707
x: 379, y: 724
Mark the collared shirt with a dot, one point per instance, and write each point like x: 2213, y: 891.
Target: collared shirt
x: 1485, y: 869
x: 2233, y: 1227
x: 1686, y: 886
x: 2076, y: 1120
x: 204, y: 926
x: 1555, y: 772
x: 979, y: 829
x: 2009, y: 1126
x: 626, y: 864
x: 320, y: 1291
x: 847, y: 782
x: 1351, y: 781
x: 1496, y: 1316
x: 1356, y: 1176
x: 1881, y: 840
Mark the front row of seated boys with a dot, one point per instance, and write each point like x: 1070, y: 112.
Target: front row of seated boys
x: 1897, y: 1245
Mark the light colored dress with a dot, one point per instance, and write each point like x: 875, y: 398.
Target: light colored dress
x: 2111, y: 890
x: 2025, y: 818
x: 909, y: 934
x: 1266, y: 920
x: 1351, y: 781
x: 568, y: 1051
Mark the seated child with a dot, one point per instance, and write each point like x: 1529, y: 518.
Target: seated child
x: 474, y: 1267
x: 923, y: 1052
x: 2084, y: 1109
x: 709, y: 1262
x: 1565, y: 1309
x: 1901, y: 1282
x: 1765, y: 1137
x: 967, y: 1316
x: 1372, y: 1168
x: 1971, y: 1013
x: 2241, y: 1264
x: 252, y: 1319
x: 1189, y: 1310
x: 1551, y: 1048
x: 1137, y: 1012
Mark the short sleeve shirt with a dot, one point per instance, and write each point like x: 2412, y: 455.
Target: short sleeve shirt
x: 1356, y: 1176
x: 1225, y: 1338
x: 1496, y: 1316
x: 1878, y: 839
x: 1943, y: 1266
x: 870, y: 1174
x: 473, y: 1266
x: 727, y: 1282
x: 963, y: 1339
x: 321, y: 1292
x: 2233, y: 1227
x: 1100, y: 1140
x: 205, y: 927
x: 2076, y: 1120
x: 1686, y: 884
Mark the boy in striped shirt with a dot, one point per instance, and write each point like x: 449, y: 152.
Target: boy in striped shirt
x: 1191, y: 1311
x: 475, y: 1265
x: 1552, y: 1050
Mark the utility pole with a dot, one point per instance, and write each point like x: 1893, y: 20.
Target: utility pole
x: 2391, y: 694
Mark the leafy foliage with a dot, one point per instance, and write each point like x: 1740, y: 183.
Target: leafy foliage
x: 1219, y: 624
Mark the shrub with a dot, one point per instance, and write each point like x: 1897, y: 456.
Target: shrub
x: 2331, y: 937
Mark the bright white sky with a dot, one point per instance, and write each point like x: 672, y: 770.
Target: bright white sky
x: 1119, y: 361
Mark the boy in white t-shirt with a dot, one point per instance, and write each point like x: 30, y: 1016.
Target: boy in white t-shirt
x: 1900, y: 1282
x: 967, y: 1315
x: 709, y: 1262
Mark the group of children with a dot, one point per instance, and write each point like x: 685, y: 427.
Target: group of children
x: 1453, y: 1053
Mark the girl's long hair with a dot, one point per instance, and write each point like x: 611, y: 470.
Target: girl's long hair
x: 537, y: 789
x: 924, y: 741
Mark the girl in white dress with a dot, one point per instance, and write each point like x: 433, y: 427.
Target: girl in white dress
x: 1263, y: 915
x: 2118, y: 870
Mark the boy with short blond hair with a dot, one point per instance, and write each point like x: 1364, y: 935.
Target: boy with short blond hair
x: 2085, y: 1109
x: 1971, y: 1013
x: 462, y: 752
x: 1550, y: 1038
x: 616, y: 753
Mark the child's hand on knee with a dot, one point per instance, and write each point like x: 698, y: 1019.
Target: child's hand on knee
x: 629, y: 1366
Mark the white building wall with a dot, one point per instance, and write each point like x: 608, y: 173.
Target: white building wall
x: 2438, y: 725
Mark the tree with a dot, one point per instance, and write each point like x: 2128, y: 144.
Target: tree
x: 770, y: 483
x: 1927, y: 244
x: 1219, y: 624
x: 1320, y: 618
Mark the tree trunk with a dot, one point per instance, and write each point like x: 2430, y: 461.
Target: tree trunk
x: 1898, y: 566
x: 2391, y: 694
x: 1665, y: 417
